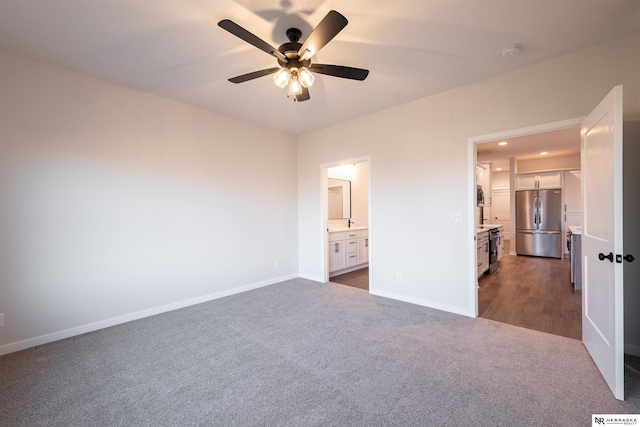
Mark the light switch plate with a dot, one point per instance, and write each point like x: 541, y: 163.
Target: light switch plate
x: 456, y: 217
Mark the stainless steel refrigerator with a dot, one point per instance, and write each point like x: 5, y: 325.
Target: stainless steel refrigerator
x: 539, y: 223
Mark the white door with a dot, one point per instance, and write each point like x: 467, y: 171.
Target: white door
x: 602, y: 295
x: 502, y: 211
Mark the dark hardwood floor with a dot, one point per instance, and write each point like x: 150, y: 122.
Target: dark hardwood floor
x: 531, y: 292
x: 357, y: 279
x: 534, y: 293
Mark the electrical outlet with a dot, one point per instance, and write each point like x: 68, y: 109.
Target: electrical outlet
x: 398, y: 277
x: 1, y: 320
x: 275, y: 264
x: 456, y: 217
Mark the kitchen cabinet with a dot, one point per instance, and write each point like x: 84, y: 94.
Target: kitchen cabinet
x: 347, y: 250
x: 483, y: 178
x: 572, y: 200
x: 500, y: 243
x: 483, y: 252
x: 532, y: 181
x: 480, y: 173
x: 576, y: 257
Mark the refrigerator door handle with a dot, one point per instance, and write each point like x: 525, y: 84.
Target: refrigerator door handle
x: 539, y: 210
x: 537, y: 232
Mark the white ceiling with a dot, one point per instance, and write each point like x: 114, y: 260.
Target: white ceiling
x: 413, y: 48
x: 557, y: 143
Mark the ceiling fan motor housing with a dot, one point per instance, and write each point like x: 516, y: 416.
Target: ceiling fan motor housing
x: 290, y: 50
x: 294, y: 34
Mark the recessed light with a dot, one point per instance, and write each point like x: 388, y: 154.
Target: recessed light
x: 543, y: 153
x: 498, y: 169
x: 502, y: 143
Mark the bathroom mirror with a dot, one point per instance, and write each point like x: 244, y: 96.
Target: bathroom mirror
x: 339, y: 198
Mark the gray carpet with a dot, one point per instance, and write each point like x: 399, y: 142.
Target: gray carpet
x: 300, y: 353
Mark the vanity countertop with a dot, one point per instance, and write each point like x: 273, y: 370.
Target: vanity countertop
x: 342, y: 229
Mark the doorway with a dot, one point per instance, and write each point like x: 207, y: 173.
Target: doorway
x: 356, y: 279
x: 347, y: 236
x: 531, y: 292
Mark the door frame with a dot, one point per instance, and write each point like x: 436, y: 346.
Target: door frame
x: 472, y: 157
x: 324, y: 212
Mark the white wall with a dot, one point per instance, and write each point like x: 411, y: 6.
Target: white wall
x: 631, y: 238
x: 118, y: 204
x: 420, y: 169
x: 549, y: 163
x: 500, y: 180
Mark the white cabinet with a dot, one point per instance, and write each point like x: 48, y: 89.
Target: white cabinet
x: 352, y: 252
x: 363, y: 246
x: 348, y: 250
x: 550, y: 180
x: 500, y: 243
x: 483, y: 178
x: 483, y: 252
x: 337, y: 251
x: 572, y: 200
x: 480, y: 174
x: 532, y: 181
x: 572, y: 191
x: 528, y: 181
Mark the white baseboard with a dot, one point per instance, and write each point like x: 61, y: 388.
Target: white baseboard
x: 90, y: 327
x: 310, y: 277
x: 633, y: 350
x: 424, y: 302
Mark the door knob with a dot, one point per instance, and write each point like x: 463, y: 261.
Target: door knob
x: 629, y: 258
x: 602, y: 256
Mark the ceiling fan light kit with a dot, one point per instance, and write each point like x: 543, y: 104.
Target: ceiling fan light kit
x: 282, y: 77
x: 306, y: 77
x: 294, y: 59
x: 295, y: 78
x: 295, y: 87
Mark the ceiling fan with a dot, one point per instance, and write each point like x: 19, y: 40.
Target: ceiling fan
x: 294, y: 59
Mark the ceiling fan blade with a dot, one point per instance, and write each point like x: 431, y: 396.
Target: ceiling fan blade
x: 340, y: 71
x: 253, y: 75
x: 304, y: 96
x: 250, y: 38
x: 327, y: 29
